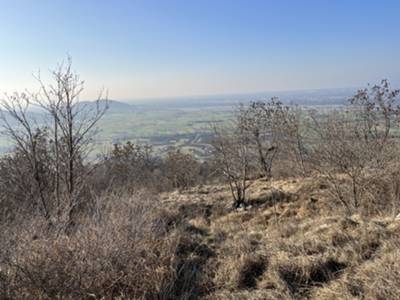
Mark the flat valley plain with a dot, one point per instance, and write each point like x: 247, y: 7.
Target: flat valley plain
x: 185, y: 123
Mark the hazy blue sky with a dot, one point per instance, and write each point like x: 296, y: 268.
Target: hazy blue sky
x: 173, y: 48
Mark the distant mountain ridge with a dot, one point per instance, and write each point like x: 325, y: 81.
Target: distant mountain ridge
x: 113, y: 106
x: 332, y: 96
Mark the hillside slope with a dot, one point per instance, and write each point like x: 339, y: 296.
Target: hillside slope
x: 292, y: 242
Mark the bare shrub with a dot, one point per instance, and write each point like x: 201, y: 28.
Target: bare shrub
x: 134, y: 167
x: 294, y: 146
x: 182, y: 170
x: 357, y: 144
x: 261, y: 133
x: 25, y: 179
x: 275, y: 131
x: 259, y: 121
x: 52, y: 144
x: 236, y: 160
x: 129, y: 167
x: 129, y: 253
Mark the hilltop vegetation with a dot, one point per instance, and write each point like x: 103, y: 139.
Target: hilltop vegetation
x: 291, y: 203
x: 292, y: 242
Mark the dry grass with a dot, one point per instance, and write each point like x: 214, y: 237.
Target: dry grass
x: 293, y: 242
x: 127, y: 252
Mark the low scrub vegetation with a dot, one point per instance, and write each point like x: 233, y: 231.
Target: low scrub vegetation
x: 295, y: 203
x: 127, y: 249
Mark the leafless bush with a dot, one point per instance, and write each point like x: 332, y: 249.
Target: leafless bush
x: 260, y: 123
x: 293, y: 142
x: 134, y: 167
x: 128, y: 251
x: 275, y: 131
x: 128, y: 166
x: 182, y: 170
x: 261, y: 133
x: 357, y: 144
x: 236, y: 160
x: 22, y: 189
x: 51, y: 145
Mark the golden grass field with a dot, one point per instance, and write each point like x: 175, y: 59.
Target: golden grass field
x: 290, y: 243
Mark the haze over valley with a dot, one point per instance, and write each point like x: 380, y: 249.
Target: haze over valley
x: 200, y: 150
x: 185, y: 122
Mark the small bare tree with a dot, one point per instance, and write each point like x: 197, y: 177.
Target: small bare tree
x: 236, y: 160
x: 20, y: 126
x: 357, y: 142
x: 294, y: 136
x: 69, y: 134
x: 72, y: 128
x: 273, y: 128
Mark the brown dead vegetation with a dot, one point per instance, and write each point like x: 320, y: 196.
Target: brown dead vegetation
x: 192, y: 244
x: 299, y: 248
